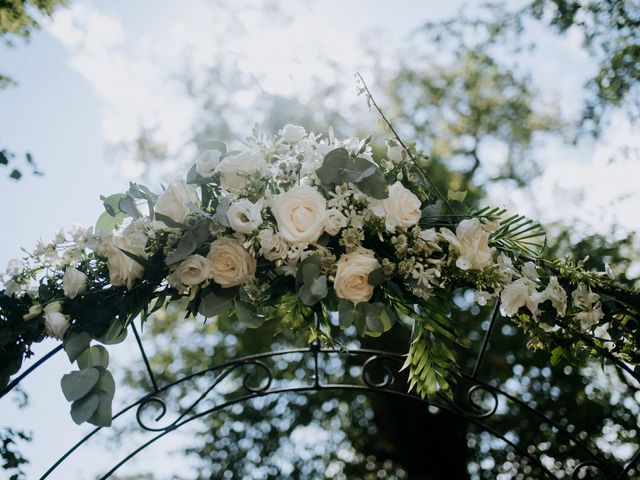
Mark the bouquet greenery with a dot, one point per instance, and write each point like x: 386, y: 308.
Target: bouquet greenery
x: 314, y: 233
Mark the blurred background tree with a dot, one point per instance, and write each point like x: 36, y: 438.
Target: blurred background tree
x: 18, y: 20
x: 462, y: 91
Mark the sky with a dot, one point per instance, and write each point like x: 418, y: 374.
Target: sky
x: 99, y: 70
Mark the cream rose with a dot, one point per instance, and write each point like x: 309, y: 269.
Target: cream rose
x: 193, y: 270
x: 300, y: 214
x: 401, y: 209
x: 174, y: 201
x: 74, y: 282
x: 471, y: 242
x: 231, y: 264
x: 352, y: 275
x: 124, y: 270
x: 244, y: 216
x: 55, y: 322
x: 234, y: 170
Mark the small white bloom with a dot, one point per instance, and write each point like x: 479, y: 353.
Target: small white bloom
x: 583, y: 297
x: 590, y: 318
x: 482, y: 298
x: 608, y: 271
x: 336, y: 221
x: 207, y: 162
x: 236, y: 169
x: 74, y: 282
x: 14, y: 267
x: 529, y: 271
x: 60, y: 237
x: 272, y: 246
x: 124, y: 270
x: 429, y: 235
x: 174, y: 201
x: 13, y: 288
x: 244, y: 216
x: 55, y: 322
x: 395, y: 153
x: 556, y: 294
x: 292, y: 133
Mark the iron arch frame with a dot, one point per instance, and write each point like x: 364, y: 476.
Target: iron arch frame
x: 377, y: 376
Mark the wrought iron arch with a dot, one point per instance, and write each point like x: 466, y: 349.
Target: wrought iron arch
x: 377, y: 376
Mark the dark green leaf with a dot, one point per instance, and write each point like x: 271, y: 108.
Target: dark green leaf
x: 106, y: 383
x: 331, y: 171
x: 128, y: 206
x: 215, y: 303
x: 247, y: 315
x: 15, y: 174
x: 186, y: 246
x: 345, y: 313
x: 116, y: 333
x: 376, y: 277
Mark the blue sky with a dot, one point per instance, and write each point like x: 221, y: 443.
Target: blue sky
x: 100, y: 69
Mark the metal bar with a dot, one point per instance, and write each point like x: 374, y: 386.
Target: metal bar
x: 629, y: 466
x: 22, y: 376
x: 485, y: 341
x: 144, y: 357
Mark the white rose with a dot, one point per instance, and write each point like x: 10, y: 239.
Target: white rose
x: 55, y: 322
x: 352, y: 275
x: 235, y: 169
x: 292, y: 133
x: 272, y: 246
x: 231, y: 264
x: 471, y: 243
x: 300, y: 214
x: 516, y: 295
x: 400, y: 209
x: 124, y: 270
x: 244, y: 216
x: 193, y: 270
x: 395, y: 153
x: 174, y: 201
x: 335, y: 221
x: 207, y: 162
x: 74, y: 282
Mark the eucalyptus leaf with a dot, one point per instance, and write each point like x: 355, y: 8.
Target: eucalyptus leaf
x: 84, y: 408
x: 215, y: 303
x: 107, y: 223
x: 374, y: 323
x: 169, y: 222
x: 103, y: 413
x: 186, y: 246
x: 128, y: 206
x: 345, y: 313
x: 95, y: 356
x: 112, y: 203
x: 376, y: 277
x: 77, y: 384
x: 106, y: 382
x: 330, y: 172
x: 247, y: 315
x: 75, y: 343
x: 116, y: 333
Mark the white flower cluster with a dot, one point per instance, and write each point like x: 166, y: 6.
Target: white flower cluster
x: 268, y: 205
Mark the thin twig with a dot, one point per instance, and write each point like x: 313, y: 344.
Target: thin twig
x: 413, y: 158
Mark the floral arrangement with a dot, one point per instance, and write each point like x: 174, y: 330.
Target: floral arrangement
x: 316, y: 234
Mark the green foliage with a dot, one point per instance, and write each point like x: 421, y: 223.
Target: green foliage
x: 339, y: 167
